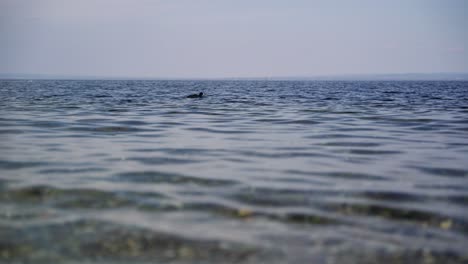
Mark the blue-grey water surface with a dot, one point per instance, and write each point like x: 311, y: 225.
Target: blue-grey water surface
x: 254, y: 172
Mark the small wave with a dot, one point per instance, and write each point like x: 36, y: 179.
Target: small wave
x: 14, y: 165
x: 373, y: 152
x: 11, y: 131
x: 164, y: 177
x: 352, y: 144
x: 162, y: 160
x: 443, y: 172
x: 71, y: 171
x: 217, y: 131
x: 398, y: 213
x: 277, y: 155
x: 352, y: 176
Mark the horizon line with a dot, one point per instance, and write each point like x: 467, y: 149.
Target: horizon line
x: 337, y: 77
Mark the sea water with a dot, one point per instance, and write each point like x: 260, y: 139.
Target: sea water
x: 252, y: 172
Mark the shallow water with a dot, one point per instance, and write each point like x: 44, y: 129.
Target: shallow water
x: 254, y: 172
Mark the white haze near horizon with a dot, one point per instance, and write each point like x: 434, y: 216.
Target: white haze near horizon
x: 241, y: 38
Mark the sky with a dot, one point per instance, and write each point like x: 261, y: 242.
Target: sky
x: 232, y: 38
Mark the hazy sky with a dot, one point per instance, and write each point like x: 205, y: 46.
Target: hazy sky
x: 232, y: 38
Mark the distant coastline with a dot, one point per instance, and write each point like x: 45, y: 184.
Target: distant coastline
x: 344, y: 77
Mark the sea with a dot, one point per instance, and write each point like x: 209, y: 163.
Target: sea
x: 133, y: 171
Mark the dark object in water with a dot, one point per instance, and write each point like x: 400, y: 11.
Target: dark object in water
x: 200, y: 95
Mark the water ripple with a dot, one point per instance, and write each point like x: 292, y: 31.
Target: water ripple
x: 260, y: 171
x: 162, y: 177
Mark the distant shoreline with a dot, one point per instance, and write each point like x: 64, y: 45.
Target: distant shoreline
x: 347, y: 77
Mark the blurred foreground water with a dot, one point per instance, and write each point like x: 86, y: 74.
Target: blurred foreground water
x: 254, y: 172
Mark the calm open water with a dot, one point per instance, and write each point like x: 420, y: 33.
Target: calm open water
x: 255, y: 172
